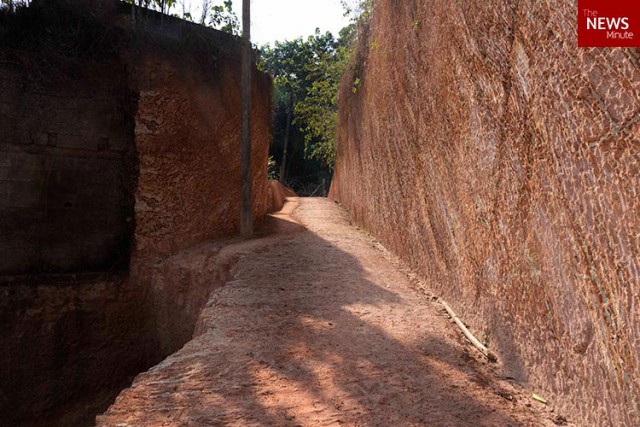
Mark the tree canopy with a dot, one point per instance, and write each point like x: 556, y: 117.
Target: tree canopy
x: 306, y: 78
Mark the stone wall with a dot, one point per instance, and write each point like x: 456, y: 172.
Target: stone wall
x: 114, y: 165
x: 501, y: 162
x: 66, y: 201
x: 187, y: 134
x: 188, y: 140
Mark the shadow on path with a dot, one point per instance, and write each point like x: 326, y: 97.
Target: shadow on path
x: 320, y: 329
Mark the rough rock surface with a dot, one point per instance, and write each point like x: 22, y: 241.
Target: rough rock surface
x: 136, y: 151
x: 65, y: 165
x: 320, y: 327
x: 188, y: 139
x: 502, y: 163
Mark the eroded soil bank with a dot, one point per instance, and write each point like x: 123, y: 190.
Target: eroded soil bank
x: 322, y: 327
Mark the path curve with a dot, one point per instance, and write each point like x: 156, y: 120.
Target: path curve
x: 323, y: 329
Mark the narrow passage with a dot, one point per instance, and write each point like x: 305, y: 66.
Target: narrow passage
x: 319, y: 329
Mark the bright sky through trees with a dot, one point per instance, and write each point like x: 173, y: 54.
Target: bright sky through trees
x: 288, y: 19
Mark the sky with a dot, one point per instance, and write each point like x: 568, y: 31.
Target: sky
x: 281, y: 20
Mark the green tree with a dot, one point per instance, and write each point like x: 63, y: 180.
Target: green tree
x: 306, y: 80
x: 317, y: 112
x: 287, y: 63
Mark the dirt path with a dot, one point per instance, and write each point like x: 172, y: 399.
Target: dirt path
x: 322, y: 329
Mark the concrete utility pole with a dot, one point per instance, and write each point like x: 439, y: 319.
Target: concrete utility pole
x: 246, y: 214
x: 283, y: 165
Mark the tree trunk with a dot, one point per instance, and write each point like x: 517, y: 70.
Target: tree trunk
x: 205, y: 12
x: 246, y: 214
x: 283, y: 164
x: 162, y: 13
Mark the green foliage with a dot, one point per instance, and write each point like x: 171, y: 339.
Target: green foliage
x: 223, y: 18
x: 306, y: 79
x: 219, y: 16
x: 357, y: 82
x: 272, y: 168
x: 307, y: 74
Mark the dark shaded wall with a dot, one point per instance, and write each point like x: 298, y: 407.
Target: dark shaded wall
x: 67, y: 347
x: 131, y: 150
x: 66, y: 201
x: 502, y: 163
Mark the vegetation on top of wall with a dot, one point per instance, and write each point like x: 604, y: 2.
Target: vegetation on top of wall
x: 361, y: 12
x: 217, y: 14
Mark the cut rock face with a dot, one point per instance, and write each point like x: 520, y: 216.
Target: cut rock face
x: 510, y: 187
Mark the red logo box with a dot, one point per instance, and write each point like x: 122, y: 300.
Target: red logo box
x: 608, y: 23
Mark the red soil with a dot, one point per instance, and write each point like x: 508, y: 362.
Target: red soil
x: 320, y: 326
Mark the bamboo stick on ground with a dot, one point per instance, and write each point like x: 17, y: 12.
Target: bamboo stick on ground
x: 492, y: 357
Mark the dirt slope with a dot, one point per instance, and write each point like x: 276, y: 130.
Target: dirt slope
x: 321, y: 327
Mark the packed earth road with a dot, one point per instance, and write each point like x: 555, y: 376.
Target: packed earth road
x: 321, y: 327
